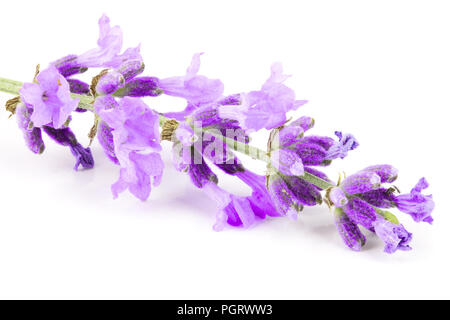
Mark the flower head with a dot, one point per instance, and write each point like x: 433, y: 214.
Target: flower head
x: 49, y: 99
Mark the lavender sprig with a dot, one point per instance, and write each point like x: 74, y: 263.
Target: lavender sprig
x: 205, y: 137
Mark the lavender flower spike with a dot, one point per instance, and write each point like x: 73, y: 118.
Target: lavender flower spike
x: 49, y: 98
x: 417, y: 205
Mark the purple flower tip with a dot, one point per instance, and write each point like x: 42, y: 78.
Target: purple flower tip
x: 347, y: 142
x: 417, y: 205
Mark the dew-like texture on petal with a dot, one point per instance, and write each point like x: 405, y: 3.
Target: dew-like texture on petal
x: 361, y: 212
x: 361, y: 182
x: 65, y: 137
x: 106, y: 140
x: 287, y: 162
x: 303, y: 191
x: 395, y: 236
x: 33, y: 135
x: 196, y: 89
x: 387, y: 173
x: 265, y: 108
x: 349, y: 231
x: 381, y: 198
x: 340, y: 149
x: 338, y: 197
x: 50, y: 99
x: 416, y: 204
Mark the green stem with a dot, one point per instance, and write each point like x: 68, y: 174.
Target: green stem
x: 86, y: 102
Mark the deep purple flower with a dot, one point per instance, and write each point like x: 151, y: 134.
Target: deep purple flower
x: 349, y: 231
x: 395, y: 236
x: 340, y: 149
x: 49, y: 98
x: 196, y: 89
x: 32, y: 135
x: 135, y: 130
x: 265, y: 108
x: 141, y: 87
x: 417, y: 205
x: 380, y: 198
x: 66, y: 137
x: 360, y: 212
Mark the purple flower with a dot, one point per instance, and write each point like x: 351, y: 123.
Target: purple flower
x: 386, y: 172
x: 417, y: 205
x: 107, y: 54
x: 66, y: 137
x: 140, y: 87
x: 265, y: 108
x: 135, y: 131
x: 340, y: 149
x: 395, y: 236
x: 196, y: 89
x: 349, y: 231
x: 49, y: 98
x: 360, y: 212
x: 361, y: 182
x: 32, y: 135
x: 117, y: 78
x: 380, y: 198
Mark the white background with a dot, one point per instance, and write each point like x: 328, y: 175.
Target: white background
x: 378, y: 69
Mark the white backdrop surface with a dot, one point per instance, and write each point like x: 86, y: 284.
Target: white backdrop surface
x: 377, y: 69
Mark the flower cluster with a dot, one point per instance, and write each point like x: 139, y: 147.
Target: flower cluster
x: 206, y: 137
x: 361, y: 199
